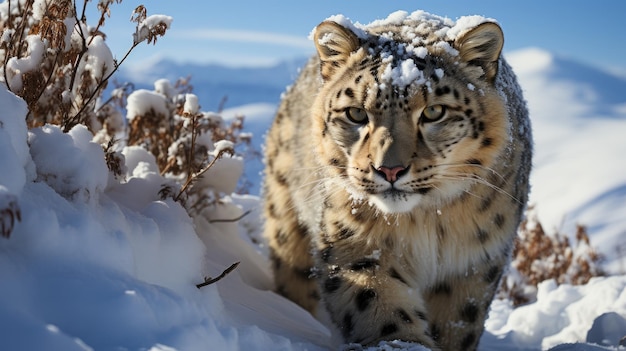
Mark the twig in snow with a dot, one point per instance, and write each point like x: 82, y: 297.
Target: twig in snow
x: 232, y: 219
x: 209, y: 280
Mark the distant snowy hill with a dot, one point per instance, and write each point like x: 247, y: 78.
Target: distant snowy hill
x: 579, y: 120
x: 212, y: 82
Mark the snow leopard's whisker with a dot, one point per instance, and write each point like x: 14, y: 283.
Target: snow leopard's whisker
x: 318, y: 168
x: 479, y: 166
x: 315, y: 181
x: 478, y: 179
x: 310, y: 198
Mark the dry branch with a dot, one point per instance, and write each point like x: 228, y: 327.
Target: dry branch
x: 209, y: 280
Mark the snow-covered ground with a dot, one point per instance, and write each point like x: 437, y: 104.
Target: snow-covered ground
x: 100, y: 264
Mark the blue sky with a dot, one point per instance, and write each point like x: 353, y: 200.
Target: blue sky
x: 238, y: 32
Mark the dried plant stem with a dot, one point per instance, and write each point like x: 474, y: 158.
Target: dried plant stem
x: 195, y: 176
x: 22, y: 27
x: 230, y: 220
x: 103, y: 12
x: 13, y: 43
x: 209, y: 281
x: 168, y: 166
x: 83, y: 49
x: 192, y: 148
x: 83, y: 16
x: 116, y: 66
x: 48, y: 80
x: 6, y: 54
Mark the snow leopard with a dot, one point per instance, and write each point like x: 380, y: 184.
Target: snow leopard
x: 396, y: 176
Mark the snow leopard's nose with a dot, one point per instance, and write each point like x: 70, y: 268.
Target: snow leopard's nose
x: 391, y: 174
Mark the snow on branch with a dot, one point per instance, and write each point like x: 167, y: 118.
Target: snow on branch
x: 149, y: 28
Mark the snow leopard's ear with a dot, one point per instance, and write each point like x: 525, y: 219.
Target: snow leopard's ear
x: 334, y: 44
x: 482, y: 46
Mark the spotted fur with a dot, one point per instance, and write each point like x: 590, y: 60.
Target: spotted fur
x: 397, y: 172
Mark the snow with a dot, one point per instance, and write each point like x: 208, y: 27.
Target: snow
x: 16, y: 67
x: 141, y: 102
x: 99, y: 263
x: 154, y: 20
x: 405, y: 72
x: 399, y: 17
x: 17, y: 167
x: 464, y: 23
x: 345, y: 22
x: 440, y: 73
x: 75, y: 170
x: 191, y: 107
x: 116, y: 271
x: 99, y: 59
x: 223, y: 175
x: 39, y: 9
x: 223, y: 146
x: 563, y: 312
x: 164, y: 87
x: 149, y: 25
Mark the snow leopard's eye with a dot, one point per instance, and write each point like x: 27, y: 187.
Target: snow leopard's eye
x: 356, y: 115
x: 433, y: 113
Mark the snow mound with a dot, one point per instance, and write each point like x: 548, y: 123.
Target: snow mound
x: 561, y: 313
x: 17, y: 165
x: 608, y: 329
x: 69, y: 163
x: 97, y: 263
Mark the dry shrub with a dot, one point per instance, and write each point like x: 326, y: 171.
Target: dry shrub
x: 167, y: 122
x: 61, y: 66
x: 540, y: 256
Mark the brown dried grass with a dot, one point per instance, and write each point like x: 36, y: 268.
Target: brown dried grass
x: 539, y: 256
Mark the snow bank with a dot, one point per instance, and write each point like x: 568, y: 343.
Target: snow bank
x: 93, y: 264
x: 561, y: 313
x: 75, y: 169
x: 17, y: 166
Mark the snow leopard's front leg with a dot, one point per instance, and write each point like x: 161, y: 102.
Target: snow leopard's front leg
x: 365, y: 293
x: 459, y: 305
